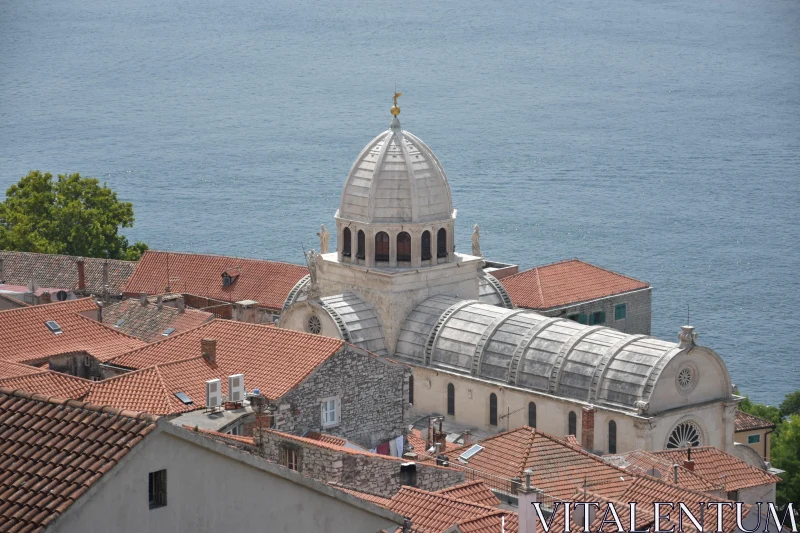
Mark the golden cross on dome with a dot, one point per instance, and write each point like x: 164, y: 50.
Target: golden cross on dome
x: 395, y: 109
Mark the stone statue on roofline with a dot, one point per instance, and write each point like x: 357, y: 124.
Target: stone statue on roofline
x: 312, y: 261
x: 476, y: 242
x: 324, y: 237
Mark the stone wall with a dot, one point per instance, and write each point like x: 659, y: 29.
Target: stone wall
x: 375, y: 474
x: 636, y: 322
x: 79, y: 364
x: 372, y: 395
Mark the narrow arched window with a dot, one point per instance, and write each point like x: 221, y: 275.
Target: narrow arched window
x: 426, y: 245
x: 361, y: 254
x: 403, y: 246
x: 493, y: 409
x: 382, y: 247
x: 346, y: 244
x: 441, y: 243
x: 612, y: 437
x: 411, y: 390
x: 532, y: 414
x: 451, y: 399
x: 573, y: 424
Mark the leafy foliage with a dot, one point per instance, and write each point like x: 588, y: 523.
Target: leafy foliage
x: 791, y: 404
x: 70, y: 215
x: 785, y: 451
x: 767, y: 412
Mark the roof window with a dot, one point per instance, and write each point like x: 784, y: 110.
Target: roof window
x: 168, y: 332
x: 467, y: 455
x: 53, y: 326
x: 182, y: 396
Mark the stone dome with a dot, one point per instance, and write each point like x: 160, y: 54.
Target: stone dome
x: 396, y: 179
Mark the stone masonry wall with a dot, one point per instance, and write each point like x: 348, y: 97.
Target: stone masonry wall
x: 372, y: 396
x: 639, y: 311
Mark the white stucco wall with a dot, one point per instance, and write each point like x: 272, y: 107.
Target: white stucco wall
x: 208, y: 493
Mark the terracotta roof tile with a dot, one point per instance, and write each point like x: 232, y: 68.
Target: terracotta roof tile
x: 641, y: 462
x: 267, y: 282
x: 566, y: 282
x: 324, y: 437
x: 148, y: 322
x: 61, y: 271
x: 434, y: 513
x: 378, y: 500
x: 9, y: 369
x: 722, y: 469
x: 473, y: 491
x: 558, y: 468
x: 492, y: 523
x: 748, y: 422
x: 50, y: 383
x: 24, y: 336
x: 45, y: 467
x: 273, y: 360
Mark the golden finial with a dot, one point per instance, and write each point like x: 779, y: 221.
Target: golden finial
x: 395, y: 109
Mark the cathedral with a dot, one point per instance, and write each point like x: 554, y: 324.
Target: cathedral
x: 395, y: 286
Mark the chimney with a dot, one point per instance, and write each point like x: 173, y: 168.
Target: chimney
x: 181, y: 305
x: 467, y: 437
x: 159, y: 302
x: 675, y: 473
x: 143, y: 298
x: 81, y: 274
x: 527, y: 495
x: 209, y: 349
x: 246, y: 311
x: 688, y: 464
x: 100, y: 312
x: 587, y: 428
x: 45, y: 298
x: 406, y: 525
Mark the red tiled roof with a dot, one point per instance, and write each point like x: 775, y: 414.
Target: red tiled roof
x: 267, y: 282
x: 11, y: 370
x: 722, y: 469
x: 53, y: 451
x: 324, y: 437
x: 273, y: 360
x: 378, y: 500
x: 148, y: 322
x: 61, y: 271
x: 434, y: 513
x: 50, y: 383
x: 558, y: 468
x: 493, y: 522
x: 24, y: 336
x: 641, y: 462
x: 748, y: 422
x: 473, y: 491
x: 564, y: 283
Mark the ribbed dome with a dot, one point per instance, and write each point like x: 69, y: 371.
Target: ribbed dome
x: 396, y: 178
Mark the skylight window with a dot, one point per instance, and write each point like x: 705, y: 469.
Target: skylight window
x: 119, y: 322
x: 467, y: 455
x: 182, y: 396
x: 168, y: 332
x: 53, y: 326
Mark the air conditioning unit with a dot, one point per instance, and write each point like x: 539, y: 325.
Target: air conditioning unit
x: 213, y: 393
x: 236, y: 388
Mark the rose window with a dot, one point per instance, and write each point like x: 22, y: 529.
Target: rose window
x: 314, y: 325
x: 685, y: 378
x: 684, y: 435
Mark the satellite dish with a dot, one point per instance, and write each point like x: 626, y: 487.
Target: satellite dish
x: 654, y: 472
x: 61, y: 296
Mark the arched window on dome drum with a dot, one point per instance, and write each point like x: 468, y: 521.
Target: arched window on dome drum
x: 411, y: 390
x: 612, y: 437
x: 572, y: 423
x: 346, y: 245
x: 426, y: 245
x: 361, y: 253
x: 441, y: 243
x: 382, y: 247
x: 403, y: 246
x: 451, y: 399
x: 492, y: 409
x: 532, y: 414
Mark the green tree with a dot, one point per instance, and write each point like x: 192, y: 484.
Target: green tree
x: 785, y: 450
x: 70, y: 215
x: 767, y: 412
x: 791, y: 404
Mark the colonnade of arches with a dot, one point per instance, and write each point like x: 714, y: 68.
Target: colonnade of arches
x: 431, y: 247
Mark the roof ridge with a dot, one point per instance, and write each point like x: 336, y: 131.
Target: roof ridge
x: 171, y: 337
x: 529, y: 451
x: 167, y: 399
x: 76, y: 404
x: 109, y: 328
x: 446, y: 497
x: 159, y: 252
x: 40, y: 306
x: 539, y: 285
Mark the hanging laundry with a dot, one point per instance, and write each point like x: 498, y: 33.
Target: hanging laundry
x: 383, y: 449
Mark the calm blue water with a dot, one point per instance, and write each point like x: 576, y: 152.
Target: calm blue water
x: 659, y: 139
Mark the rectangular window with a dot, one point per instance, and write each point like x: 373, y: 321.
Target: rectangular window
x: 329, y: 412
x: 598, y: 317
x: 157, y: 488
x: 290, y: 459
x: 580, y: 318
x: 753, y: 439
x: 236, y: 430
x: 620, y: 311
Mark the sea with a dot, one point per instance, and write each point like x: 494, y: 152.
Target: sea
x: 656, y: 138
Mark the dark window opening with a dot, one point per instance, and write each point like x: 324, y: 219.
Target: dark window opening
x: 361, y: 254
x: 346, y: 244
x: 492, y: 409
x: 532, y: 414
x: 411, y: 390
x: 403, y: 246
x: 441, y: 243
x: 382, y: 247
x: 426, y: 245
x: 451, y: 399
x: 612, y: 437
x: 157, y: 488
x: 290, y: 459
x: 573, y: 424
x: 408, y: 474
x: 580, y: 318
x: 620, y: 311
x: 598, y: 317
